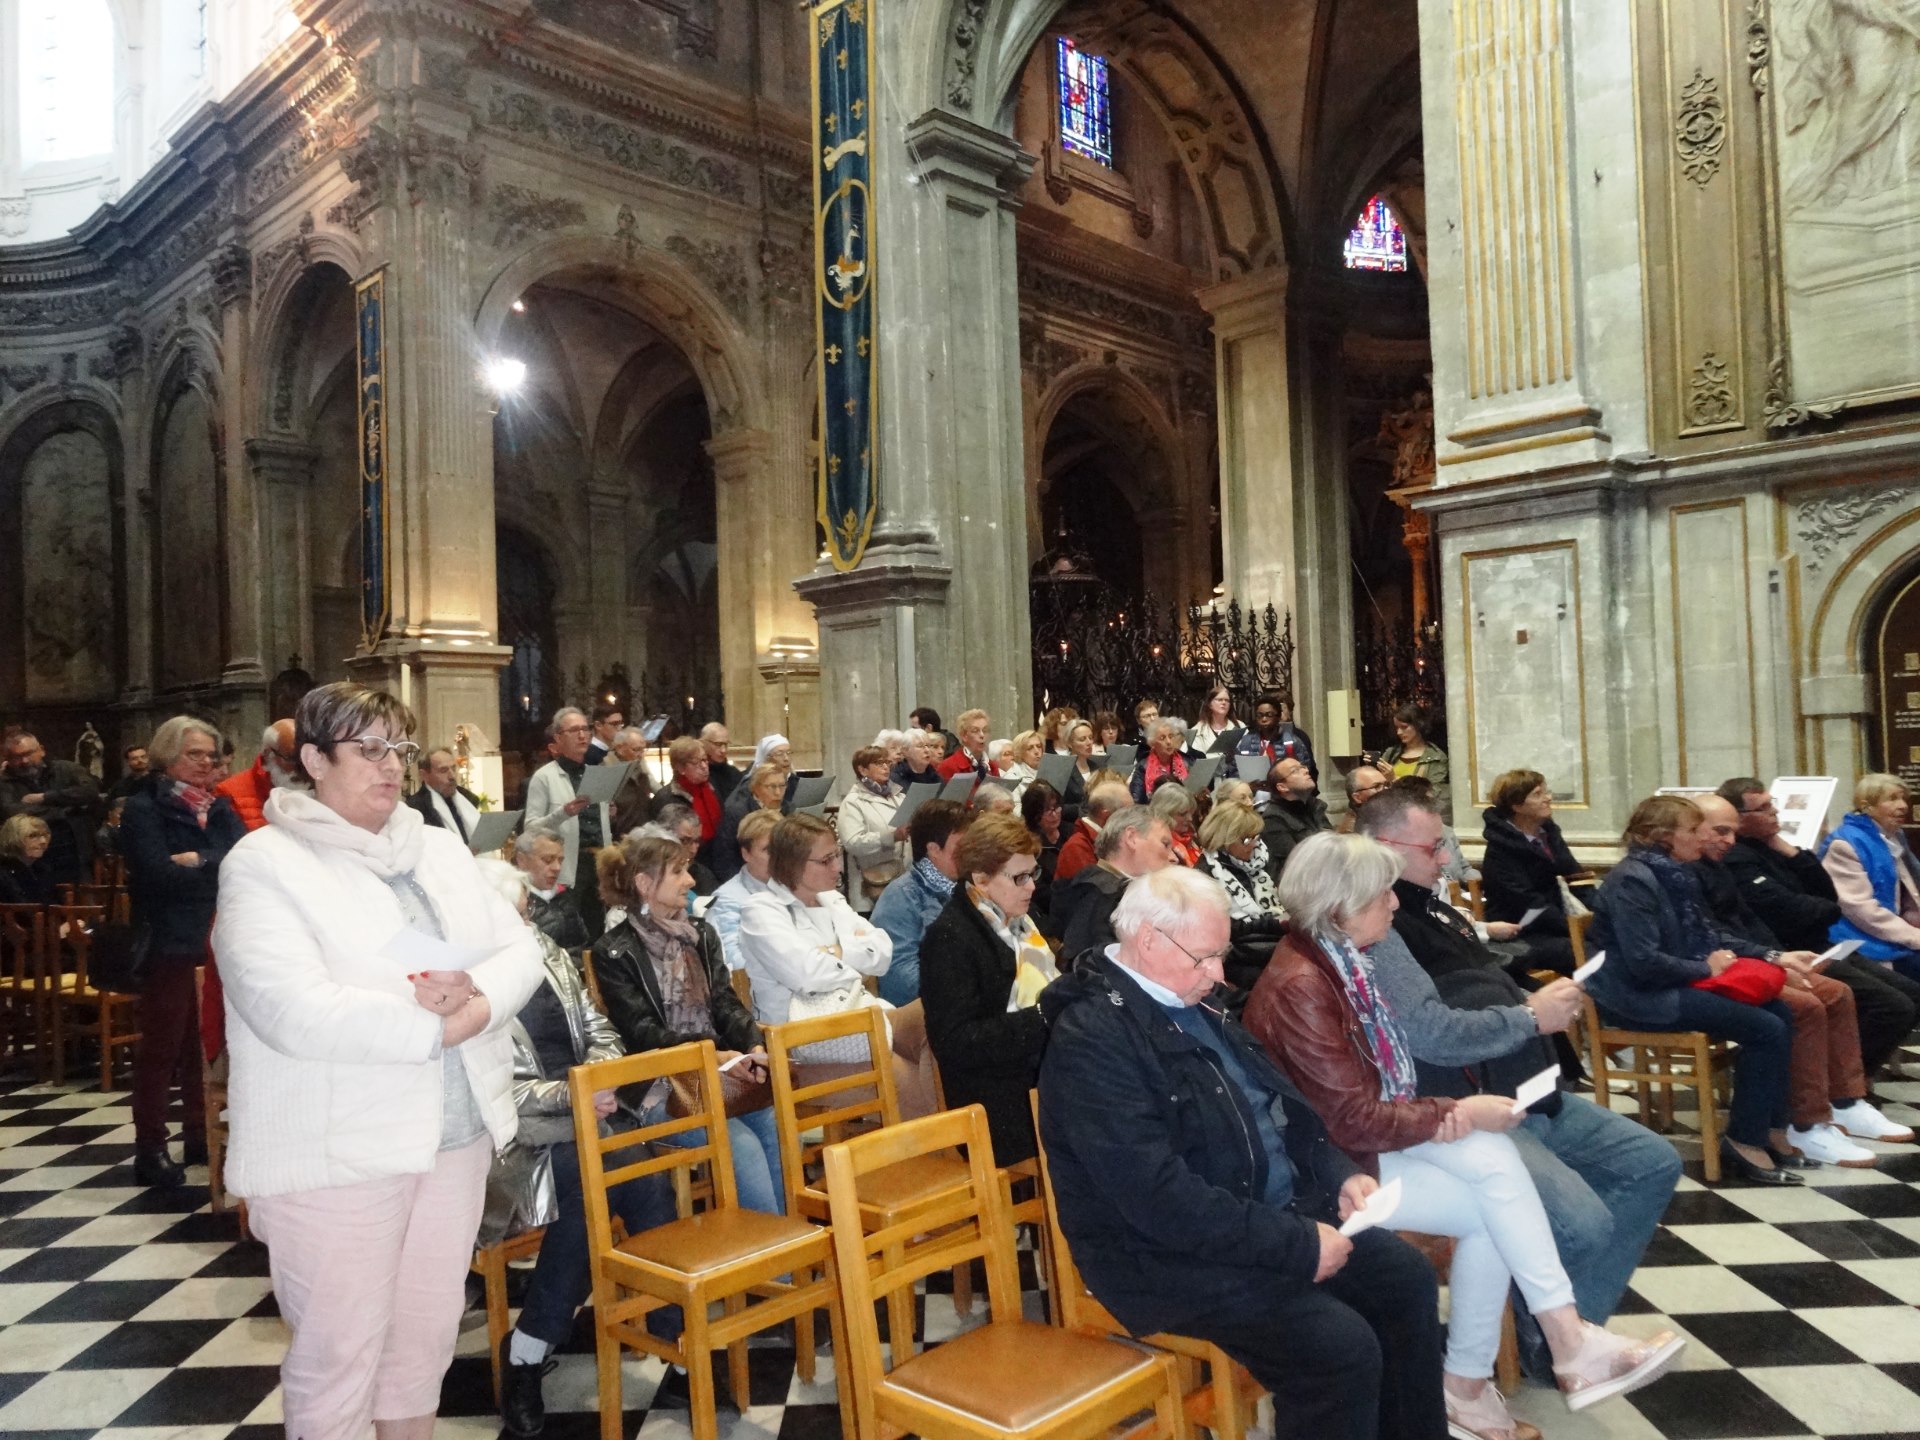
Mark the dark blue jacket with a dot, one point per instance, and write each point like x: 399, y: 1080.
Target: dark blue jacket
x: 1647, y: 949
x: 175, y: 903
x: 1156, y: 1164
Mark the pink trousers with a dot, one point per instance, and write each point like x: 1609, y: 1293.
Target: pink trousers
x: 371, y: 1279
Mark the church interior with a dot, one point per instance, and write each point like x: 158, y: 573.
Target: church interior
x: 1529, y: 386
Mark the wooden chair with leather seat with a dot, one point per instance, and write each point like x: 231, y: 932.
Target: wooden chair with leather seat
x: 1030, y: 1211
x: 1007, y: 1378
x: 82, y: 1010
x: 490, y: 1263
x: 835, y: 1108
x: 1216, y: 1391
x: 1656, y: 1063
x: 726, y: 1255
x: 23, y: 998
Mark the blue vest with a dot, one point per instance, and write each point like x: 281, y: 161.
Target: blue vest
x: 1864, y: 836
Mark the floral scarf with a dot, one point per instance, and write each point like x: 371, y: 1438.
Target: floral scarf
x: 931, y: 877
x: 672, y: 945
x: 1681, y: 889
x: 1377, y: 1020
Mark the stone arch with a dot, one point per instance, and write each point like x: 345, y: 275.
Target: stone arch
x: 186, y: 537
x: 280, y: 317
x: 1837, y: 693
x: 657, y: 288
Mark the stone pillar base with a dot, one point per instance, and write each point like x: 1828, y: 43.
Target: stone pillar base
x: 445, y: 682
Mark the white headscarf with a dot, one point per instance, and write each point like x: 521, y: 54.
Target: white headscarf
x: 767, y: 745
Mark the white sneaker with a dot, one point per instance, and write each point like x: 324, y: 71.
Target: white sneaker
x: 1830, y: 1147
x: 1860, y: 1120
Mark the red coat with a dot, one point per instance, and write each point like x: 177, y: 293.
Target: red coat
x: 249, y: 791
x: 1076, y: 851
x: 959, y: 763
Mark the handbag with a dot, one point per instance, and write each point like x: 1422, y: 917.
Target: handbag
x: 875, y: 878
x: 740, y: 1095
x: 119, y: 957
x: 1750, y: 981
x: 850, y: 994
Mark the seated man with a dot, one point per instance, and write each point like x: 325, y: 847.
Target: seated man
x: 1076, y: 851
x: 1789, y: 890
x: 1295, y: 811
x: 910, y: 901
x: 1178, y: 1223
x: 551, y: 910
x: 1603, y: 1180
x: 1363, y: 783
x: 1134, y: 841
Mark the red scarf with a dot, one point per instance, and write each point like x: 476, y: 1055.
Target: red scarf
x: 706, y: 804
x: 195, y: 799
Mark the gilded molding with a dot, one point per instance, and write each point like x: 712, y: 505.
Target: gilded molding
x: 1700, y: 128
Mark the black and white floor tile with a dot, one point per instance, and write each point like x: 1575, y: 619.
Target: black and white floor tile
x: 136, y: 1315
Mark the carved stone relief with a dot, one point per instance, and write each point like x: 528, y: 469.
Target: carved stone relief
x: 720, y: 269
x: 961, y: 53
x: 615, y: 143
x: 1700, y: 128
x: 1823, y: 526
x: 517, y: 213
x: 15, y: 213
x: 1710, y: 398
x: 231, y: 269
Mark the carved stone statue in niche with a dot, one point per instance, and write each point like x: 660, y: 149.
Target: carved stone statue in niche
x: 1409, y: 430
x: 66, y: 535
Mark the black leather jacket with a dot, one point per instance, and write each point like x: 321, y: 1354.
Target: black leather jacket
x: 632, y: 993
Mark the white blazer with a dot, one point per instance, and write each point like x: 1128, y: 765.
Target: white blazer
x: 336, y: 1072
x: 783, y: 957
x: 548, y: 792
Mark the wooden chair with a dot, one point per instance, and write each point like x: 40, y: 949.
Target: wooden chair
x: 1438, y: 1250
x: 213, y: 1080
x: 592, y: 980
x: 1007, y: 1378
x: 23, y: 1000
x: 1030, y: 1211
x: 1216, y: 1391
x: 490, y: 1263
x: 1470, y: 898
x: 836, y: 1108
x: 726, y: 1254
x: 1661, y: 1062
x: 81, y: 1010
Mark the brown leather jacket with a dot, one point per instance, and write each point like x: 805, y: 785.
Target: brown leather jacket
x: 1300, y: 1013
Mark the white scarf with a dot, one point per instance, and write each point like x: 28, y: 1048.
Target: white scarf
x: 394, y: 850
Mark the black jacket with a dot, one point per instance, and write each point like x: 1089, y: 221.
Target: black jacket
x: 632, y: 992
x: 71, y: 806
x: 1285, y: 823
x: 24, y: 884
x: 175, y: 903
x: 1793, y: 896
x: 987, y: 1054
x: 422, y: 800
x: 1155, y: 1162
x: 559, y: 920
x: 1439, y: 938
x: 723, y: 851
x: 1726, y: 902
x: 1083, y: 910
x: 1516, y: 876
x: 725, y: 779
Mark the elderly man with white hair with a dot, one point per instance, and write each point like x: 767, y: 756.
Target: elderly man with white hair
x: 553, y: 799
x: 1201, y: 1195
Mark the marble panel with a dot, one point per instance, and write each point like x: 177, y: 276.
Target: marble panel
x: 1525, y: 697
x: 1713, y: 646
x: 187, y: 516
x: 66, y: 523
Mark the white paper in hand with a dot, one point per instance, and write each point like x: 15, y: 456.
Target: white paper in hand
x: 1837, y: 952
x: 1377, y: 1211
x: 1582, y: 972
x: 422, y: 952
x: 1538, y: 1088
x: 1532, y: 915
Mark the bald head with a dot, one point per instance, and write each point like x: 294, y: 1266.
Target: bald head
x: 1720, y: 827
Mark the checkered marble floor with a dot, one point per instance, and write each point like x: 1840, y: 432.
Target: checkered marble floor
x: 138, y: 1315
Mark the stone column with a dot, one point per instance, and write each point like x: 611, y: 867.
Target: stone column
x: 758, y: 526
x: 244, y: 673
x: 1257, y: 519
x: 283, y: 476
x: 937, y: 612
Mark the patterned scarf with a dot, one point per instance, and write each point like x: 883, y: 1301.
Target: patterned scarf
x: 1033, y: 962
x: 672, y: 945
x: 1377, y: 1020
x: 1681, y: 887
x: 882, y: 788
x: 199, y: 801
x: 931, y: 877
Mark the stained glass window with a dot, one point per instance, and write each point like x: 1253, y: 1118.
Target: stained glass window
x: 1376, y: 242
x: 1086, y: 107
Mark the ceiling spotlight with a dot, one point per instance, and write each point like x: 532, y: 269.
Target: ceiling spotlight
x: 519, y: 307
x: 505, y: 375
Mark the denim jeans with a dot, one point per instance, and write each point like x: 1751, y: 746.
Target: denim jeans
x: 756, y: 1158
x: 1605, y: 1182
x: 1760, y: 1066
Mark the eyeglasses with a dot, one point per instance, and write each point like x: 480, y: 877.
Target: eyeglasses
x: 1432, y: 850
x: 574, y: 730
x: 1200, y: 962
x: 200, y: 755
x: 1022, y: 877
x: 375, y: 748
x: 1370, y: 790
x: 833, y: 859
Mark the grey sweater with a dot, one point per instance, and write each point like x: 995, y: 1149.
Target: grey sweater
x: 1439, y: 1033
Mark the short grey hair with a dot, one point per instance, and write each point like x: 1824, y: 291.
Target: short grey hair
x: 1165, y: 900
x: 629, y: 730
x: 171, y: 738
x: 446, y: 750
x: 890, y: 737
x: 533, y: 835
x: 707, y: 730
x: 1170, y: 802
x: 1135, y: 818
x: 1387, y: 812
x: 1330, y: 878
x: 1353, y: 776
x: 1167, y: 722
x: 1108, y: 796
x: 559, y: 720
x: 673, y: 815
x: 509, y: 881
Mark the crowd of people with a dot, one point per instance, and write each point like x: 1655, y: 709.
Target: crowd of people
x: 1243, y: 1015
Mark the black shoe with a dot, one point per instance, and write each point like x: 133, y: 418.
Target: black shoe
x: 156, y: 1168
x: 523, y: 1410
x: 1793, y: 1160
x: 1744, y: 1169
x: 194, y: 1152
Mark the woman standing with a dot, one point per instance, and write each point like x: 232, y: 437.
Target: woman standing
x: 666, y: 983
x: 1876, y: 876
x: 1323, y: 1019
x: 174, y: 833
x: 369, y: 1088
x: 876, y: 847
x: 983, y: 965
x: 1166, y: 738
x: 1022, y: 765
x: 1412, y: 753
x: 1216, y: 719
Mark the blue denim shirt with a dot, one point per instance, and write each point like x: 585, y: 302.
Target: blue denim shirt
x: 904, y: 910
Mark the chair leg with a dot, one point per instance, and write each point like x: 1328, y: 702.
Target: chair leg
x: 1506, y: 1362
x: 738, y: 1379
x: 493, y: 1272
x: 607, y: 1362
x: 857, y: 1421
x: 699, y: 1348
x: 106, y: 1043
x: 1709, y: 1111
x: 803, y: 1345
x: 1228, y: 1421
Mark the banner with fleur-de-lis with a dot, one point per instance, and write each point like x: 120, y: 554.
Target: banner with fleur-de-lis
x: 370, y: 324
x: 843, y: 275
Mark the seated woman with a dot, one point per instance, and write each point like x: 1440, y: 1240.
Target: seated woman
x: 1022, y: 762
x: 723, y: 911
x: 1526, y: 860
x: 983, y: 965
x: 1181, y: 811
x: 765, y: 788
x: 1045, y: 818
x: 24, y: 876
x: 799, y: 937
x: 1651, y: 919
x: 1412, y: 753
x: 1321, y: 1017
x: 535, y: 1180
x: 1166, y: 740
x: 876, y: 847
x: 1876, y: 876
x: 1229, y: 838
x: 665, y: 983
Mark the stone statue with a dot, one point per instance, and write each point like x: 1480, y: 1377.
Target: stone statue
x: 1852, y: 69
x: 1409, y: 430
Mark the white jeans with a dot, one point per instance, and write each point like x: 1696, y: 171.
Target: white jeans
x: 1478, y: 1191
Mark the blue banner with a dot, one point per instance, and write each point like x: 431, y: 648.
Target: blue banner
x: 370, y: 323
x: 843, y: 275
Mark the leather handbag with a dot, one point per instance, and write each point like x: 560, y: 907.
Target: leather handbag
x: 741, y: 1095
x: 1750, y: 981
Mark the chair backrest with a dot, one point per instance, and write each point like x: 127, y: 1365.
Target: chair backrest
x: 837, y: 1107
x: 965, y: 1223
x: 1476, y: 899
x: 1577, y: 932
x: 23, y: 937
x: 70, y: 939
x: 1076, y: 1307
x: 641, y: 1151
x: 592, y: 980
x: 743, y: 987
